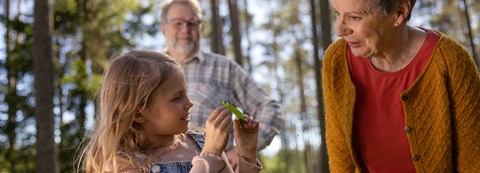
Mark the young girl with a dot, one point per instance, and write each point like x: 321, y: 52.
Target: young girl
x: 143, y: 123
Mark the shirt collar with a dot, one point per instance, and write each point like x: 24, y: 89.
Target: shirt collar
x: 197, y: 56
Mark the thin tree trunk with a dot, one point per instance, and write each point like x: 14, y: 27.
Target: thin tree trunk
x: 84, y: 6
x: 11, y: 95
x: 217, y: 38
x: 46, y: 157
x: 303, y: 107
x: 235, y: 31
x: 248, y: 21
x: 470, y: 34
x: 326, y: 41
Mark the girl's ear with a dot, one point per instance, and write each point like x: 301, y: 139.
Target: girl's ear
x: 139, y: 118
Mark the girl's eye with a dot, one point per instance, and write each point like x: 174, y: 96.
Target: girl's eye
x: 177, y: 98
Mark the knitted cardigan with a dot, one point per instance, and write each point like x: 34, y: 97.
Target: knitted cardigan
x: 442, y: 111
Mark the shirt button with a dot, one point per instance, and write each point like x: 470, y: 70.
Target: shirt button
x: 407, y: 129
x: 404, y: 98
x: 416, y: 157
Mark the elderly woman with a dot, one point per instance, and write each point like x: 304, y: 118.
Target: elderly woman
x: 398, y: 98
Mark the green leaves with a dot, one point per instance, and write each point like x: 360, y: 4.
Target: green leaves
x: 235, y: 111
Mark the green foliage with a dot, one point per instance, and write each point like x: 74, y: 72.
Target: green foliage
x: 285, y: 161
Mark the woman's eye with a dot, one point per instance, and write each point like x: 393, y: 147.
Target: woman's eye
x: 355, y: 18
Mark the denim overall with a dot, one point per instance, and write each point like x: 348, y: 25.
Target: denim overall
x: 179, y: 167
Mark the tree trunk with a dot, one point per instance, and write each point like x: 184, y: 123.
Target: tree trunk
x: 235, y: 31
x: 248, y: 22
x: 303, y: 107
x: 11, y: 124
x: 85, y: 11
x: 326, y: 41
x: 470, y: 34
x: 217, y: 38
x: 46, y: 157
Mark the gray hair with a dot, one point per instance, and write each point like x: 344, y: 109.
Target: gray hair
x: 192, y: 3
x: 388, y: 5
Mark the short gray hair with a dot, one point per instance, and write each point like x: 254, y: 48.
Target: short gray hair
x: 388, y: 5
x: 192, y: 3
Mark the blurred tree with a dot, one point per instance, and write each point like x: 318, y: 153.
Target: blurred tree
x: 247, y: 21
x: 326, y: 37
x: 216, y: 34
x: 470, y: 32
x: 43, y: 65
x: 18, y: 67
x: 235, y: 31
x: 97, y: 29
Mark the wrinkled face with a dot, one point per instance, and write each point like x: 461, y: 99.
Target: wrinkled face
x: 363, y: 26
x: 167, y: 112
x: 182, y: 29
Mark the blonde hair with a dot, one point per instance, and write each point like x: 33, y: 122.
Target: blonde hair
x: 192, y: 3
x: 126, y: 89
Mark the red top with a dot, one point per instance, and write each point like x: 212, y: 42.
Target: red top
x: 379, y: 121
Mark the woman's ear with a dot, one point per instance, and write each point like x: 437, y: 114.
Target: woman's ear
x: 401, y: 12
x: 139, y: 118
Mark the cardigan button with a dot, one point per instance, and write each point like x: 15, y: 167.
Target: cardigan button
x: 416, y: 157
x: 407, y: 130
x: 404, y: 98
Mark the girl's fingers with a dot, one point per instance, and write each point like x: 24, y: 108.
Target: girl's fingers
x: 216, y: 113
x: 224, y: 120
x: 250, y: 122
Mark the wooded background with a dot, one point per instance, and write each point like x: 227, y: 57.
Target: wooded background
x: 53, y: 53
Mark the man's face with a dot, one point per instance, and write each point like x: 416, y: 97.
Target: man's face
x: 182, y: 29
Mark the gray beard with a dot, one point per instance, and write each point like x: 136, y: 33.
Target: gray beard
x: 186, y: 49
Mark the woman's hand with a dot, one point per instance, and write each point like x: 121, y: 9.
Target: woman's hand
x: 246, y: 138
x: 218, y: 127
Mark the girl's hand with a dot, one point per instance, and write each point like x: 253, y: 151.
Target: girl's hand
x: 246, y: 138
x: 218, y: 127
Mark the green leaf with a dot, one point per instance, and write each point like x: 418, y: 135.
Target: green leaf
x: 235, y: 111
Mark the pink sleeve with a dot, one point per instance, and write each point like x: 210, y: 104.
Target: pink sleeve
x: 245, y: 166
x: 210, y: 163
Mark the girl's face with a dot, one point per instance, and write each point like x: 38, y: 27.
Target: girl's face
x: 364, y: 26
x: 167, y: 113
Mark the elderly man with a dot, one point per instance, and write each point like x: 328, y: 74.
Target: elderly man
x: 212, y: 78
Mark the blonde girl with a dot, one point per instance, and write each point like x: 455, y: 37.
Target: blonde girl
x: 143, y: 123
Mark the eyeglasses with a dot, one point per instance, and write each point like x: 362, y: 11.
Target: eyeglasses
x: 179, y: 24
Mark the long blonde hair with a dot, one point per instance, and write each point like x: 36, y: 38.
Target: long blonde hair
x: 127, y: 85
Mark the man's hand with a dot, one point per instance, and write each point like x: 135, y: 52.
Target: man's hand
x: 218, y: 127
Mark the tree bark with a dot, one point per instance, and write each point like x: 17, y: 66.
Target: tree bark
x: 217, y: 38
x: 470, y: 34
x: 248, y: 22
x: 303, y: 107
x: 46, y: 157
x: 235, y: 31
x: 326, y: 41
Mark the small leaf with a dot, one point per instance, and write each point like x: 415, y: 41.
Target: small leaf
x: 235, y: 111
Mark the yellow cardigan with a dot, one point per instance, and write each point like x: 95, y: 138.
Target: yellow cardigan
x: 442, y: 111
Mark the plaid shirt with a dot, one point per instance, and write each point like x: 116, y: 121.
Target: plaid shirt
x: 212, y: 78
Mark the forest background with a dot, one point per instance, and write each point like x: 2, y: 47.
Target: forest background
x: 48, y: 86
